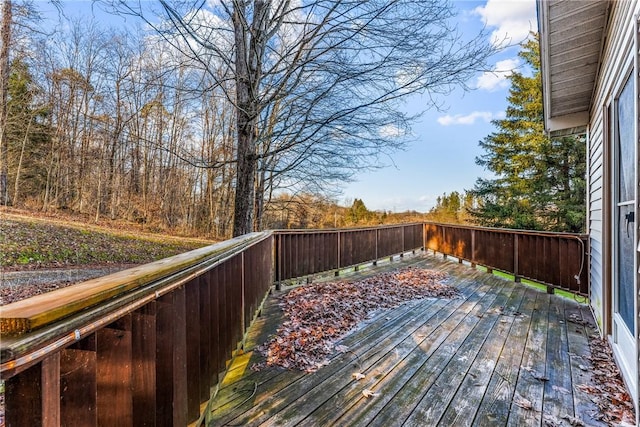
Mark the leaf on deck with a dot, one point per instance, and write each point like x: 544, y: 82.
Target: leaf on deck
x: 368, y: 393
x: 523, y: 403
x: 609, y: 392
x: 358, y: 376
x: 320, y: 314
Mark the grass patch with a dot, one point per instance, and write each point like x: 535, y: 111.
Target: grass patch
x: 540, y: 286
x: 38, y: 244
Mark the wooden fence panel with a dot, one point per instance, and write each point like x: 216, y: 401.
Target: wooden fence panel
x: 558, y: 260
x: 143, y: 341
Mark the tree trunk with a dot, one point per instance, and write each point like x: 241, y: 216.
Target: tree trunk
x: 4, y: 90
x: 246, y: 110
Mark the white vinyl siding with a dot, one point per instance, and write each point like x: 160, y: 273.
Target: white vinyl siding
x: 614, y: 63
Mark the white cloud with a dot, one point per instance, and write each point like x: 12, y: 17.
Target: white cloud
x: 391, y: 131
x: 497, y: 78
x: 512, y: 20
x: 469, y: 119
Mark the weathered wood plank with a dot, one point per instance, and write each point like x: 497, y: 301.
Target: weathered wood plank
x: 434, y: 402
x: 361, y: 338
x: 530, y: 385
x: 558, y: 394
x: 496, y: 403
x: 271, y: 384
x: 350, y: 407
x: 295, y: 383
x: 579, y: 328
x: 462, y: 409
x: 460, y: 362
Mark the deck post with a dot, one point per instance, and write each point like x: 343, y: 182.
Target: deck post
x: 338, y: 252
x: 375, y: 261
x: 473, y: 248
x: 278, y: 248
x: 517, y: 278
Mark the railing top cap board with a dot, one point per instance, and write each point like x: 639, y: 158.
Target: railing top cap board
x: 510, y: 230
x: 32, y: 313
x: 334, y: 230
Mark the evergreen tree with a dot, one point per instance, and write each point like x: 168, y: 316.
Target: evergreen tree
x: 26, y: 135
x: 539, y: 182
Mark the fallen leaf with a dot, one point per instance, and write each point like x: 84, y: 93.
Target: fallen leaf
x: 342, y: 348
x: 320, y: 314
x: 368, y: 393
x: 576, y: 422
x: 523, y: 403
x: 358, y: 376
x: 551, y: 421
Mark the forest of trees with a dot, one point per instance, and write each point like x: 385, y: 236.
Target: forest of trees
x: 218, y: 117
x: 236, y: 116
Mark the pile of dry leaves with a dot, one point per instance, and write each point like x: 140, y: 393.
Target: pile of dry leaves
x: 320, y: 314
x: 609, y: 393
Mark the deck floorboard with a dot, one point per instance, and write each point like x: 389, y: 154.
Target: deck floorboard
x: 503, y: 354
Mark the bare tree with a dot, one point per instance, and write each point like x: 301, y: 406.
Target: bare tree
x: 317, y: 84
x: 5, y: 37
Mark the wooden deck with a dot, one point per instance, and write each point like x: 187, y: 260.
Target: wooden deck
x: 477, y: 360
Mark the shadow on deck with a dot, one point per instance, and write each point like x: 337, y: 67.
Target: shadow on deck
x: 504, y: 354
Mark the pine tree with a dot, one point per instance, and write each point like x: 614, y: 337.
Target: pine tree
x: 539, y: 182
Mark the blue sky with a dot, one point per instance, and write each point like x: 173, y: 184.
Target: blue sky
x: 441, y: 157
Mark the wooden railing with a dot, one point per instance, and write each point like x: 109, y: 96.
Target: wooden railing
x: 558, y: 260
x: 303, y: 252
x: 140, y: 347
x: 146, y: 346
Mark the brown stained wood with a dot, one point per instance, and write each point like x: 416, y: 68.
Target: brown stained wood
x: 78, y: 385
x: 235, y: 278
x: 114, y: 374
x: 180, y: 387
x: 51, y: 390
x: 214, y: 343
x: 225, y: 314
x: 164, y: 360
x: 206, y: 355
x: 23, y: 403
x: 192, y: 343
x: 31, y: 313
x: 143, y: 340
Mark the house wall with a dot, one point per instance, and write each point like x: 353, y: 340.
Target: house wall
x: 615, y: 61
